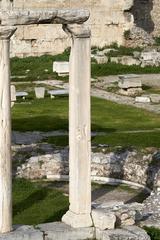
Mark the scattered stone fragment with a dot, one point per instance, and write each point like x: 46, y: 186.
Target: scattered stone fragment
x: 103, y: 220
x: 155, y: 98
x: 143, y: 99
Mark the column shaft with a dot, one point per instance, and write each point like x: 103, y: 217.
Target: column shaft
x: 79, y: 134
x: 5, y: 133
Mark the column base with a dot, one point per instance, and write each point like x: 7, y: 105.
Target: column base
x: 77, y: 220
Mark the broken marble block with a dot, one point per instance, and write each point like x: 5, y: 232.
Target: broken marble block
x: 126, y: 83
x: 143, y: 99
x: 61, y: 68
x: 103, y: 220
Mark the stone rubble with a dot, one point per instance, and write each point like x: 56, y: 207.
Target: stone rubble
x: 47, y: 161
x: 61, y: 231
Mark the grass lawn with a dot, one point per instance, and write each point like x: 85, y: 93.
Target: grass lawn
x: 40, y: 68
x: 34, y: 204
x: 48, y: 115
x: 40, y: 202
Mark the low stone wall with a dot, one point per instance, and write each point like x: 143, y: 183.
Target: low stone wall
x: 38, y: 161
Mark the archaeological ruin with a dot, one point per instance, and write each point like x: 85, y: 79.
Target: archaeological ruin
x: 109, y: 22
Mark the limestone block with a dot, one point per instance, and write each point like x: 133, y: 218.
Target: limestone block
x: 143, y: 99
x: 126, y: 60
x: 129, y: 83
x: 155, y: 98
x: 101, y: 59
x: 39, y: 92
x: 13, y: 93
x: 131, y: 91
x: 23, y: 233
x: 101, y: 235
x: 61, y: 231
x: 103, y: 220
x: 62, y: 68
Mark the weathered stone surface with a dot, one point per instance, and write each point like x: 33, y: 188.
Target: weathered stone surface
x: 126, y: 60
x: 23, y: 233
x: 128, y: 233
x: 23, y: 17
x: 155, y: 98
x: 150, y: 58
x: 126, y: 215
x: 143, y: 99
x: 62, y: 68
x: 105, y: 30
x: 39, y: 92
x: 129, y: 83
x: 100, y: 59
x: 131, y: 91
x: 61, y: 231
x: 131, y: 166
x: 13, y: 93
x: 103, y: 220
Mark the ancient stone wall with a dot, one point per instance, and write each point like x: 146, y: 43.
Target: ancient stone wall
x: 107, y: 23
x: 147, y: 15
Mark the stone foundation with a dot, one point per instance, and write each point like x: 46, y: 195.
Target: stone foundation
x: 44, y: 161
x: 61, y: 231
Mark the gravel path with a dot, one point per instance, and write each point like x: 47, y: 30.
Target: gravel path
x: 124, y: 100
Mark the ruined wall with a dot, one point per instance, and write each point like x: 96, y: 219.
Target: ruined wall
x: 147, y: 15
x: 156, y: 17
x: 107, y: 23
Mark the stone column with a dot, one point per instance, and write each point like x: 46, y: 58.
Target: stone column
x: 79, y: 214
x: 5, y: 132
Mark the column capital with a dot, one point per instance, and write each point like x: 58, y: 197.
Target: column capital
x: 6, y: 32
x: 77, y: 30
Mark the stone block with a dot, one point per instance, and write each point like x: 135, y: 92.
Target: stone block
x: 61, y: 231
x: 131, y: 91
x: 126, y: 60
x: 100, y: 59
x: 143, y: 99
x: 23, y: 233
x: 13, y: 93
x: 155, y: 98
x: 39, y: 92
x: 103, y: 220
x: 62, y: 68
x: 129, y: 83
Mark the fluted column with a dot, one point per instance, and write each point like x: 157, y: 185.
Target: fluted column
x: 5, y: 132
x: 79, y: 129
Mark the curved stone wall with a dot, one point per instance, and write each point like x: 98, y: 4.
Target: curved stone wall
x: 45, y: 162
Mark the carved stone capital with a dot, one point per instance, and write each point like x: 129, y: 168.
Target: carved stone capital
x: 6, y: 32
x: 77, y: 30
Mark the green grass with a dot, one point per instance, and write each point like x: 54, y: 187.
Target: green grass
x: 41, y: 115
x: 34, y: 204
x: 116, y: 69
x: 138, y: 140
x: 108, y: 117
x: 42, y: 202
x: 154, y: 233
x: 60, y: 141
x: 37, y: 67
